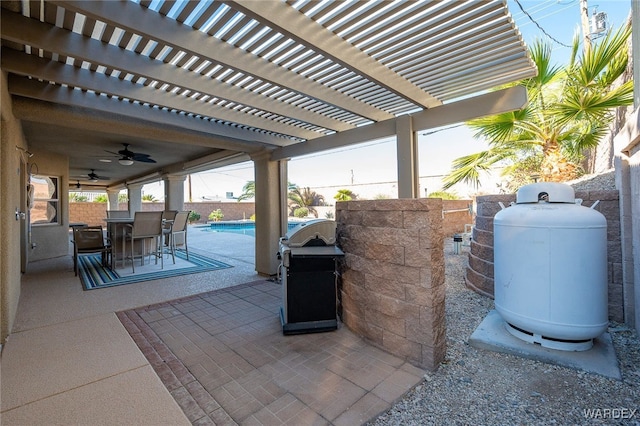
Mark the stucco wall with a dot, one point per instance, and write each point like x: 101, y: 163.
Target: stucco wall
x: 45, y: 241
x: 480, y: 278
x: 10, y: 183
x: 627, y: 147
x: 392, y: 279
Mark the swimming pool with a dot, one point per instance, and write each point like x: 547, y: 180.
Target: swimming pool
x: 245, y: 228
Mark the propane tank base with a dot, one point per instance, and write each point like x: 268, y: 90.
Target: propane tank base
x: 546, y: 342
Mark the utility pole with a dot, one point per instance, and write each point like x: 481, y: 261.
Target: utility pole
x: 586, y: 27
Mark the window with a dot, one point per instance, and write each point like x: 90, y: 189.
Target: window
x: 44, y: 200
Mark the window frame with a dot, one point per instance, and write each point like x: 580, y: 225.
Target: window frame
x: 51, y: 202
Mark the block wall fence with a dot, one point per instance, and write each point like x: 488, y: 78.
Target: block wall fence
x: 480, y: 273
x: 391, y: 289
x: 93, y: 213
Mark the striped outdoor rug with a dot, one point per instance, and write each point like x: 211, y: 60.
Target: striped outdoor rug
x: 93, y: 275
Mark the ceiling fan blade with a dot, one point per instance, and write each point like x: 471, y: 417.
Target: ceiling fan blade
x: 93, y: 176
x: 143, y: 158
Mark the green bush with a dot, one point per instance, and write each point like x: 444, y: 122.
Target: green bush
x: 253, y: 217
x: 301, y: 212
x: 77, y: 198
x: 101, y: 198
x: 194, y: 217
x: 216, y: 215
x: 444, y: 195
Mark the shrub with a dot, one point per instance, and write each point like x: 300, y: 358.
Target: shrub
x: 194, y: 217
x: 301, y: 212
x: 216, y: 215
x: 444, y: 195
x: 100, y: 198
x: 78, y: 198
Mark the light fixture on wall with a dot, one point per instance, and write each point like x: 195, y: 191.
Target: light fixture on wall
x: 124, y: 161
x: 24, y: 151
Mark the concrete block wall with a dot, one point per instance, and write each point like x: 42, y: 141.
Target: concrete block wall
x: 392, y: 289
x: 479, y: 274
x: 94, y: 213
x: 453, y: 221
x: 85, y: 212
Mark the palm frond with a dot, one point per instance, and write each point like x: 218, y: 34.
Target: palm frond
x: 469, y: 167
x: 592, y: 105
x: 594, y: 61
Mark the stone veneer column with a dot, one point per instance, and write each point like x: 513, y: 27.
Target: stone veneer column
x: 479, y: 276
x: 392, y: 282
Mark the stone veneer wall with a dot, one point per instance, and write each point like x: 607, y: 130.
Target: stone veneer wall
x: 479, y: 276
x: 392, y: 277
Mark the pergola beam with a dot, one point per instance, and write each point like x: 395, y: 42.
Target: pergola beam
x: 505, y: 100
x: 31, y: 65
x: 144, y: 22
x: 298, y: 27
x: 128, y: 119
x: 50, y: 38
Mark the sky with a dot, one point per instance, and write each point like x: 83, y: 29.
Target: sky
x: 357, y: 167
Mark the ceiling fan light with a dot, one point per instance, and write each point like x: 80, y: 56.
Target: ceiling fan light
x: 93, y: 180
x: 125, y: 161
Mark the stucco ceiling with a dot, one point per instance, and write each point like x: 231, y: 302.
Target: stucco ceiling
x: 206, y: 83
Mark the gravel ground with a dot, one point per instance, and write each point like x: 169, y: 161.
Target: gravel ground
x: 479, y: 387
x: 602, y: 181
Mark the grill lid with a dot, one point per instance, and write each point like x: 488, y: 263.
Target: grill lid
x: 312, y: 233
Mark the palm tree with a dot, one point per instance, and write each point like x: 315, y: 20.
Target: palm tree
x: 305, y: 197
x: 569, y: 110
x: 248, y: 191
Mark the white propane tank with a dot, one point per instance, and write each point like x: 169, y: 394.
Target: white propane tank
x: 550, y: 268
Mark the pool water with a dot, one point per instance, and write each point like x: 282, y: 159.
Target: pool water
x: 245, y: 228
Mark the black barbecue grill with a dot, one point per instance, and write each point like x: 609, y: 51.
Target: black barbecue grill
x: 308, y: 272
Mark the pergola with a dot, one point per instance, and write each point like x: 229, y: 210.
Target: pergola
x: 203, y: 84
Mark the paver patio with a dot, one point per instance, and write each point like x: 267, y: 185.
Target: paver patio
x: 223, y: 357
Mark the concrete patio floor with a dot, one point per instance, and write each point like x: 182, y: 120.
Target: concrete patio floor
x: 70, y: 360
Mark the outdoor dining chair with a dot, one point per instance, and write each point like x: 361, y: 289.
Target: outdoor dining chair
x: 118, y: 214
x: 90, y: 240
x: 145, y: 226
x: 178, y: 228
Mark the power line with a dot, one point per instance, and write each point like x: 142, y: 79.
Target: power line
x: 538, y: 25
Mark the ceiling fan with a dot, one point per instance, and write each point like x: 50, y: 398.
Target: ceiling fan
x: 128, y: 157
x: 91, y: 177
